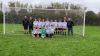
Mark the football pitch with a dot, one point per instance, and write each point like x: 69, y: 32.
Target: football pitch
x: 25, y: 45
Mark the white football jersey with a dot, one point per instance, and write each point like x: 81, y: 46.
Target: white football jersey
x: 52, y: 29
x: 55, y: 24
x: 47, y: 30
x: 39, y: 24
x: 60, y: 25
x: 47, y: 23
x: 35, y: 31
x: 43, y: 24
x: 64, y: 24
x: 35, y: 23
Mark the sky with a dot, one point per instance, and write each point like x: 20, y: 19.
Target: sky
x: 93, y: 5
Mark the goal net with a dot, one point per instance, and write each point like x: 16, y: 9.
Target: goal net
x: 14, y: 17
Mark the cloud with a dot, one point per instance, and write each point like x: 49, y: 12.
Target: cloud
x: 91, y: 4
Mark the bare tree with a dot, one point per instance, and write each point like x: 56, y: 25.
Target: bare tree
x: 11, y: 4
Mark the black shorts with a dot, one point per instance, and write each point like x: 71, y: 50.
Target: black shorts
x: 47, y: 35
x: 63, y: 28
x: 59, y: 28
x: 56, y: 29
x: 35, y: 35
x: 25, y: 27
x: 39, y: 34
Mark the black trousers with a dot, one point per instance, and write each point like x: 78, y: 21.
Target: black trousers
x: 70, y: 31
x: 25, y: 27
x: 30, y: 29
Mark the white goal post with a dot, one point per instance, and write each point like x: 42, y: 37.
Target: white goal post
x: 66, y: 10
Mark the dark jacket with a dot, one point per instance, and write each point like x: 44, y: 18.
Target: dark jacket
x: 70, y: 24
x: 30, y: 22
x: 25, y: 22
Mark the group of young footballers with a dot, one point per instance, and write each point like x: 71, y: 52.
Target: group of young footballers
x: 47, y: 28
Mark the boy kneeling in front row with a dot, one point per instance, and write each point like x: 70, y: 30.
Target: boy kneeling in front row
x: 50, y: 31
x: 43, y: 32
x: 39, y: 32
x: 35, y: 32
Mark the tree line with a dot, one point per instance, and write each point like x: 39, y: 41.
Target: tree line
x: 17, y: 15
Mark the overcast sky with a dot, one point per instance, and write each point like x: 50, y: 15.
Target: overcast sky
x: 90, y: 4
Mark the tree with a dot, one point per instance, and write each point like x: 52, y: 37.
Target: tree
x: 91, y: 18
x: 18, y: 4
x: 57, y: 5
x: 65, y: 5
x: 38, y: 6
x: 75, y: 6
x: 91, y: 15
x: 98, y: 15
x: 11, y: 4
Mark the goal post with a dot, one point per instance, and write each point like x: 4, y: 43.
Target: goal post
x: 84, y: 21
x: 13, y: 16
x: 3, y: 11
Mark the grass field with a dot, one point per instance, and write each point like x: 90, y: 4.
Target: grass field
x: 25, y: 45
x: 17, y: 29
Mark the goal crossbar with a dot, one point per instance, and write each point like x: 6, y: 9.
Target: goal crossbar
x: 45, y: 9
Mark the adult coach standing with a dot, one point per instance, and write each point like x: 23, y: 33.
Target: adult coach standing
x: 25, y: 24
x: 70, y: 25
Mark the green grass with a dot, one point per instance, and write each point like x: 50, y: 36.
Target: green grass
x: 18, y: 29
x: 25, y: 45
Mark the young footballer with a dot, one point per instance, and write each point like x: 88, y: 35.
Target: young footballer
x: 43, y: 32
x: 43, y: 23
x: 51, y: 28
x: 60, y: 27
x: 64, y: 25
x: 35, y: 28
x: 39, y: 23
x: 35, y: 23
x: 55, y: 26
x: 47, y: 23
x: 40, y: 26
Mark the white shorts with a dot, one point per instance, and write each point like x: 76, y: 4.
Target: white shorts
x: 52, y: 31
x: 47, y: 31
x: 64, y: 27
x: 33, y: 32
